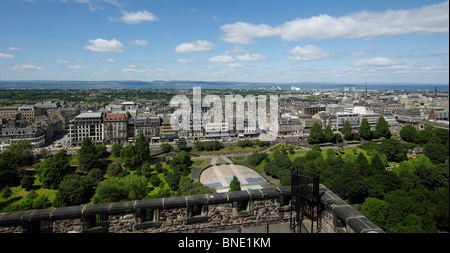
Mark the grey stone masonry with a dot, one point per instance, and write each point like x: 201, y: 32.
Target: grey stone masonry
x: 193, y: 213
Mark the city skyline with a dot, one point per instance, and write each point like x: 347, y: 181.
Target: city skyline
x: 288, y: 41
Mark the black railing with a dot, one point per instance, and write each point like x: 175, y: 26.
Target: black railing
x: 305, y: 184
x: 305, y: 199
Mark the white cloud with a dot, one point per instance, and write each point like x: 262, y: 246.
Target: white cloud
x: 244, y: 33
x: 221, y: 59
x: 25, y: 67
x: 110, y: 60
x: 61, y: 61
x: 234, y: 65
x: 428, y: 19
x: 236, y: 50
x: 195, y: 47
x: 307, y: 53
x: 138, y: 17
x: 76, y: 67
x: 139, y: 42
x: 185, y: 61
x: 377, y: 61
x: 15, y: 49
x: 251, y: 57
x: 135, y: 69
x: 92, y: 6
x: 131, y: 68
x: 101, y: 45
x: 6, y: 56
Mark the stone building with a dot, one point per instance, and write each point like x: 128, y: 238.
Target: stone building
x: 149, y: 127
x: 115, y: 127
x: 87, y: 124
x: 36, y: 136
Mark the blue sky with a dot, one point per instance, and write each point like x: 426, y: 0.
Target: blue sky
x: 403, y: 41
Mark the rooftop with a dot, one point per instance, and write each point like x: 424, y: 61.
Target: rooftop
x: 89, y: 114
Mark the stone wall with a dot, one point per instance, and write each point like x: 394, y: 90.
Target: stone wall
x: 196, y: 213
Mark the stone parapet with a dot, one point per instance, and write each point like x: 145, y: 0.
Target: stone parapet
x: 193, y: 213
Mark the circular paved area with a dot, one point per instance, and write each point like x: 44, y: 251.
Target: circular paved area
x: 220, y: 176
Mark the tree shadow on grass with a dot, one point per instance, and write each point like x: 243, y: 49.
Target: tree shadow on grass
x: 9, y: 202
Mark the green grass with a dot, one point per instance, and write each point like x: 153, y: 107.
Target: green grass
x: 198, y: 162
x: 232, y: 149
x: 239, y: 158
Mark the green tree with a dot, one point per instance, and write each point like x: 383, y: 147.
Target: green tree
x: 183, y: 162
x: 365, y: 130
x: 27, y: 182
x: 427, y: 172
x: 88, y: 156
x: 74, y: 190
x: 423, y: 136
x: 377, y: 165
x: 393, y: 149
x: 187, y: 187
x: 363, y: 165
x: 198, y: 145
x: 375, y: 210
x: 235, y: 185
x: 347, y: 131
x: 129, y: 158
x: 21, y: 153
x: 155, y: 181
x: 328, y: 134
x: 315, y: 134
x: 8, y: 170
x: 182, y: 144
x: 439, y: 200
x: 96, y: 176
x: 282, y: 161
x: 6, y: 192
x: 408, y: 133
x: 382, y: 129
x: 338, y: 138
x: 116, y: 189
x: 114, y: 170
x: 166, y: 147
x: 350, y: 184
x: 381, y: 183
x: 257, y: 158
x: 436, y: 152
x: 115, y: 149
x: 142, y: 149
x: 145, y: 170
x: 54, y: 169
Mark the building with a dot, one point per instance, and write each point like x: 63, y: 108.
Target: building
x: 87, y: 124
x: 148, y: 126
x: 372, y: 118
x: 6, y: 110
x: 30, y: 112
x: 353, y: 118
x: 166, y: 131
x: 312, y: 109
x: 115, y: 128
x: 36, y: 136
x: 290, y: 126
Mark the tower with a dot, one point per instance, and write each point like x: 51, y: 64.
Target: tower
x: 435, y: 91
x: 365, y: 92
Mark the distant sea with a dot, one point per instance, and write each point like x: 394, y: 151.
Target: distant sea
x: 211, y: 85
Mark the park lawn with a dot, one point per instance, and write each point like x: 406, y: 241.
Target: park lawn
x: 198, y: 162
x: 232, y: 149
x: 239, y: 158
x: 74, y: 158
